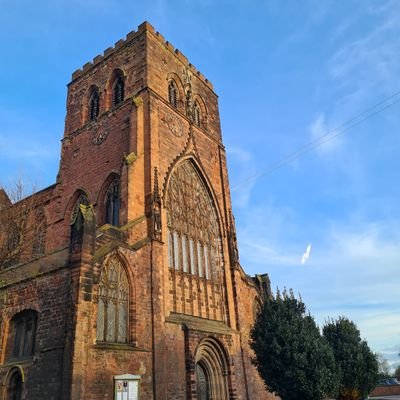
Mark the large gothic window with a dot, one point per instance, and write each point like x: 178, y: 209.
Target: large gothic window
x: 112, y: 312
x: 113, y: 203
x: 193, y: 232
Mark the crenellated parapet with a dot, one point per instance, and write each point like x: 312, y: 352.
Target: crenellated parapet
x: 131, y: 36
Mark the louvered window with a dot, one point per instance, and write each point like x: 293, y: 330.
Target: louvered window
x: 173, y: 94
x: 118, y: 91
x: 197, y: 114
x: 94, y: 105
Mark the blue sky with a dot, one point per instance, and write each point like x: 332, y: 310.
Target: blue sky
x: 286, y: 73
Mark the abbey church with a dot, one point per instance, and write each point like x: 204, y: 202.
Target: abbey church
x: 122, y: 280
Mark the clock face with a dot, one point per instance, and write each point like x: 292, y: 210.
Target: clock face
x: 101, y: 134
x: 173, y: 124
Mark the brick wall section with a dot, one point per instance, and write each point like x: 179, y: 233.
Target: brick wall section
x: 390, y: 390
x: 48, y: 295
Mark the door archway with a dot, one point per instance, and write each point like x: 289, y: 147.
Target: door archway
x: 14, y: 385
x: 211, y: 371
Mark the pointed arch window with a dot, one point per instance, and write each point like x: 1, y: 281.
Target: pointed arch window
x: 14, y: 387
x: 94, y: 105
x: 118, y: 91
x: 197, y: 114
x: 39, y: 239
x: 23, y: 332
x: 113, y: 301
x: 113, y: 203
x: 173, y: 94
x: 193, y: 235
x: 77, y: 222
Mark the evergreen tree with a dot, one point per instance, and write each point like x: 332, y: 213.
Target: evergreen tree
x: 290, y: 354
x: 358, y: 366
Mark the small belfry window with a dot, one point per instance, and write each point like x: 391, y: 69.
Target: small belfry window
x: 118, y: 91
x: 197, y: 114
x: 23, y: 332
x: 112, y: 311
x: 94, y: 105
x: 173, y: 94
x: 113, y: 203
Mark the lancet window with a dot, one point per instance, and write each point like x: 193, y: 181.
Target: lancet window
x: 193, y: 231
x: 77, y: 221
x: 113, y: 301
x: 118, y: 91
x: 23, y: 331
x: 94, y: 105
x: 173, y: 94
x: 113, y: 203
x: 197, y: 114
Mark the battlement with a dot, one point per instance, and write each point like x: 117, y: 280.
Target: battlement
x: 145, y: 26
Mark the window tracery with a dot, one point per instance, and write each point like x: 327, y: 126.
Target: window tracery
x: 112, y: 311
x: 194, y: 255
x: 194, y: 237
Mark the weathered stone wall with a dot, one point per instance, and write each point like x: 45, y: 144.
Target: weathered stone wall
x: 48, y: 294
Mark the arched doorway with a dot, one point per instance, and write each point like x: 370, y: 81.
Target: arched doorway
x: 202, y: 382
x: 211, y: 371
x: 14, y: 387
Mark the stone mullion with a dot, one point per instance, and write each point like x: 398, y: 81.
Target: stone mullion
x: 205, y: 278
x: 173, y: 269
x: 224, y: 299
x: 206, y: 294
x: 196, y: 256
x: 191, y: 262
x: 116, y: 316
x: 182, y: 275
x: 212, y: 272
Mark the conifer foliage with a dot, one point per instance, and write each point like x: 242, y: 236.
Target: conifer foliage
x: 292, y: 357
x: 358, y: 366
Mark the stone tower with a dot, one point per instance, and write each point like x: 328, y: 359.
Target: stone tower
x: 138, y: 277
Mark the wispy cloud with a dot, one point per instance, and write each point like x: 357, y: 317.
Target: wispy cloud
x: 368, y: 64
x: 319, y: 129
x: 353, y: 270
x: 243, y: 161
